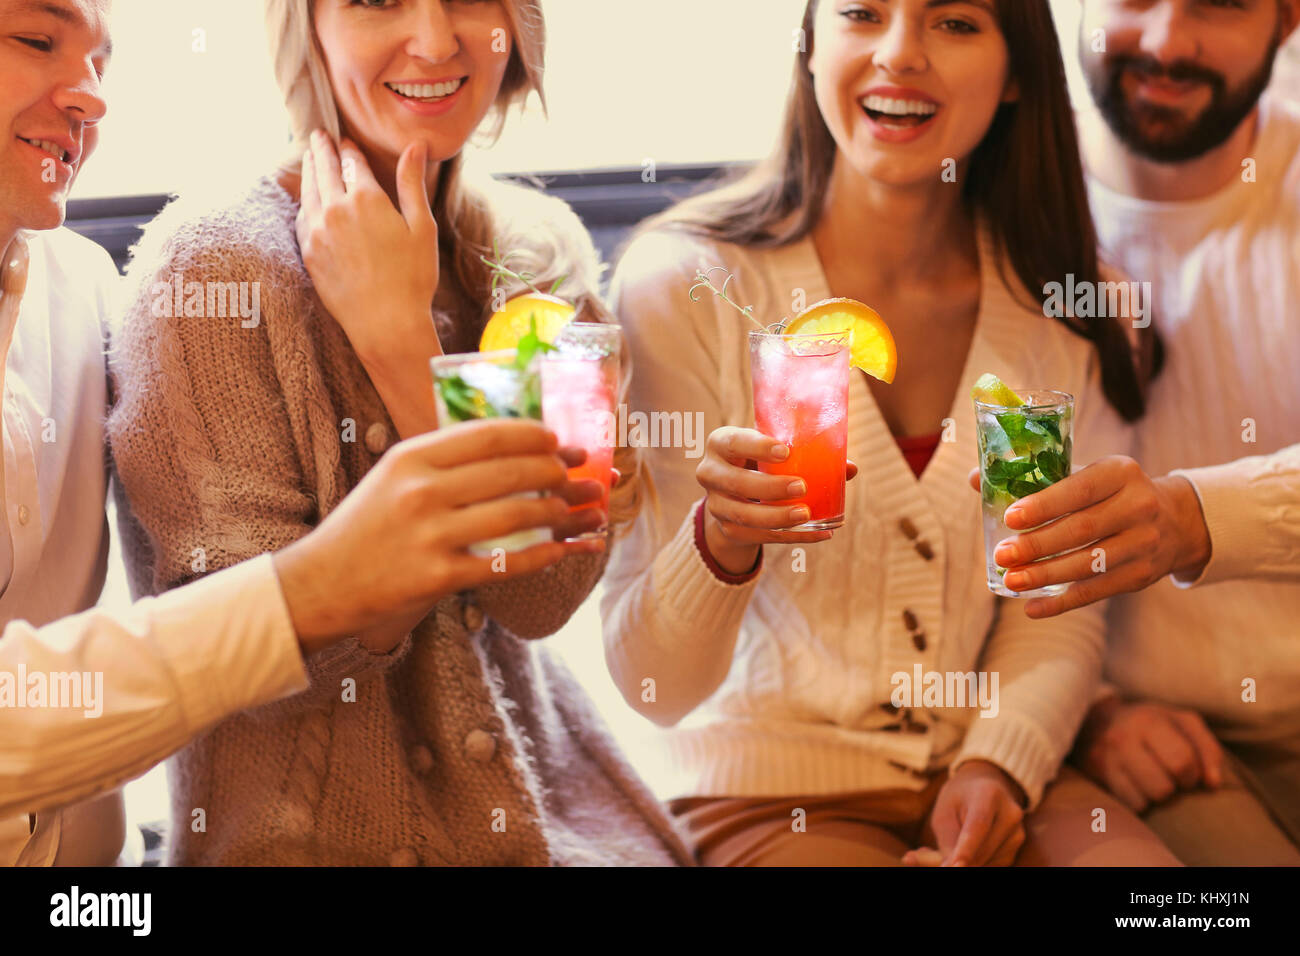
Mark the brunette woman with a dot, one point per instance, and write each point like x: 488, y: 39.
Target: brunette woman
x: 927, y: 166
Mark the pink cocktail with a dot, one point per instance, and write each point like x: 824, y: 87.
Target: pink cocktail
x: 801, y: 398
x: 580, y: 382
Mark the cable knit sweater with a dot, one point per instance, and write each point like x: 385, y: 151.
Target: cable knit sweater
x: 782, y: 685
x: 468, y: 743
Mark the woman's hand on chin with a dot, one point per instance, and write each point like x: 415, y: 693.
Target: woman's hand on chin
x: 375, y: 267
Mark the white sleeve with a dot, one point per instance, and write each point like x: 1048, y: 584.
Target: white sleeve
x: 144, y: 682
x: 1252, y: 513
x: 1048, y: 671
x: 666, y: 616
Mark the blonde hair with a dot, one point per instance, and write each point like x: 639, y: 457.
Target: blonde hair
x: 473, y: 210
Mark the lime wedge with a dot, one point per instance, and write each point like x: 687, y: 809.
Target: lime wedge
x: 990, y: 390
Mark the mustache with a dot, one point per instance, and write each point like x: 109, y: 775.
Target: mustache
x: 1181, y: 71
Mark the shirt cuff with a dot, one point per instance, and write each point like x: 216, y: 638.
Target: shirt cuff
x: 229, y: 641
x: 711, y: 562
x: 1228, y: 521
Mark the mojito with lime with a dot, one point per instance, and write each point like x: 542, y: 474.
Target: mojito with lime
x: 1025, y: 439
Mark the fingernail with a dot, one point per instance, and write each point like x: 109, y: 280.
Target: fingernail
x: 800, y: 514
x: 780, y: 452
x: 1010, y: 515
x: 1017, y: 581
x: 1006, y: 553
x: 797, y: 488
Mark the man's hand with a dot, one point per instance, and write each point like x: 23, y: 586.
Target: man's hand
x: 977, y: 820
x: 1145, y: 529
x: 1144, y: 753
x: 397, y: 544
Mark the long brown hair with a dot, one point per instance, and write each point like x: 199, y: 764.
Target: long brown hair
x: 1025, y: 181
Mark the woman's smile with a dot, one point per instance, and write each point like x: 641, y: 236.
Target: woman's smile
x: 428, y: 97
x: 898, y: 114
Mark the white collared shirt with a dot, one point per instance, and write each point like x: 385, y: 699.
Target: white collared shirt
x: 160, y: 671
x: 53, y: 532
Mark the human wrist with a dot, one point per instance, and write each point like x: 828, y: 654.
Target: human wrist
x: 417, y: 342
x: 1193, y: 551
x: 986, y: 768
x: 732, y: 557
x: 1097, y: 719
x: 308, y: 596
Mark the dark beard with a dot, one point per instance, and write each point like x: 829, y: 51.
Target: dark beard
x: 1177, y: 140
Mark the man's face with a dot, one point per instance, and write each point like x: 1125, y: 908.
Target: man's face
x: 1178, y: 77
x: 53, y: 54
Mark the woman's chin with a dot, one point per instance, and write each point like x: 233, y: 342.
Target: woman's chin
x: 901, y: 172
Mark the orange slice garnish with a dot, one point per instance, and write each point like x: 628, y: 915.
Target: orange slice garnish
x: 513, y: 321
x: 871, y: 345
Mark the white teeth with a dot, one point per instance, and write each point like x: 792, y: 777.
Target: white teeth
x: 426, y: 91
x: 54, y: 149
x: 885, y: 104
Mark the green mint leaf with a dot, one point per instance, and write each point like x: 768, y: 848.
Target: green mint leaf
x: 1025, y: 434
x: 1051, y: 464
x: 1019, y: 488
x: 464, y: 402
x: 1017, y: 467
x: 530, y: 345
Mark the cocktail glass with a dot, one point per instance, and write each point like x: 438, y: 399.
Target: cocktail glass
x: 801, y: 398
x: 580, y: 383
x: 476, y: 385
x: 1023, y: 449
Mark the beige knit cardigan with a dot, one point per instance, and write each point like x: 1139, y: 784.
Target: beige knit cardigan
x: 469, y: 743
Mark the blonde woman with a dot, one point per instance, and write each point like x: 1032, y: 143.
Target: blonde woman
x: 448, y: 737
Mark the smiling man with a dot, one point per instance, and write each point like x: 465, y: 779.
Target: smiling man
x: 53, y: 532
x: 1194, y: 181
x: 1195, y: 186
x: 168, y: 668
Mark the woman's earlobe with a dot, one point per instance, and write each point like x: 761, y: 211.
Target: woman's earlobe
x: 1012, y: 93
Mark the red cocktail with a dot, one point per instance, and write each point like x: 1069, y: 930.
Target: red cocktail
x: 801, y: 398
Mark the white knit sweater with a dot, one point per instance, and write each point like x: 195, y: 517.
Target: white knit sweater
x: 1225, y: 270
x: 784, y: 679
